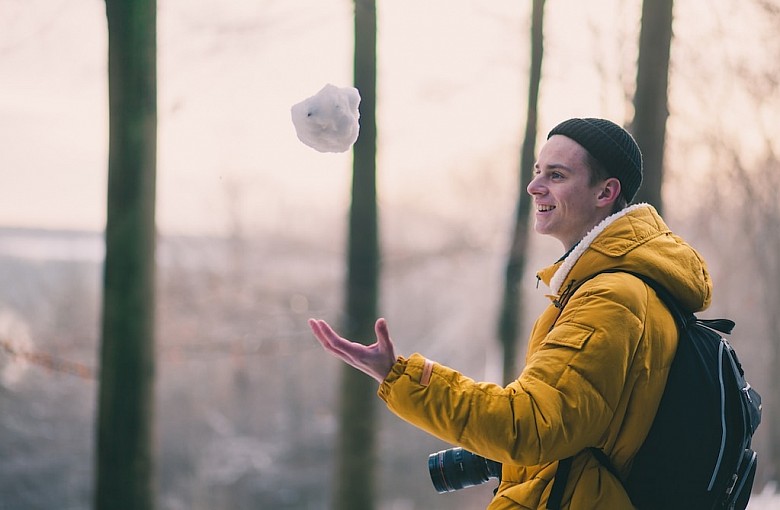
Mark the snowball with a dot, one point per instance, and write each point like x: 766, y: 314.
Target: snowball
x: 328, y: 120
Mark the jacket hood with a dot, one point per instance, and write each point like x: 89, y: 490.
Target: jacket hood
x: 636, y: 239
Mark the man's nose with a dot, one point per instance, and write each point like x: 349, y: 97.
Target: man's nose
x: 534, y: 188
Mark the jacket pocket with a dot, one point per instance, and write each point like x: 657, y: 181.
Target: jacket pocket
x: 569, y: 335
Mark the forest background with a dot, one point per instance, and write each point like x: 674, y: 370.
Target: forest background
x: 252, y: 224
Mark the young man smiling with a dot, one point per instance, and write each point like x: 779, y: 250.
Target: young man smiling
x: 596, y: 367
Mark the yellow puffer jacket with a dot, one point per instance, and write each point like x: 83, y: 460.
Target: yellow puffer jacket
x: 594, y: 380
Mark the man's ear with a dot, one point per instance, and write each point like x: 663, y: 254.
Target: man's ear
x: 610, y: 191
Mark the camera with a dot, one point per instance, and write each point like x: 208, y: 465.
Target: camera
x: 456, y: 469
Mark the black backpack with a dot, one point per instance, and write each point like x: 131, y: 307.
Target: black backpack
x: 697, y: 454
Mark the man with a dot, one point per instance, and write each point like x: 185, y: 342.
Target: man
x: 598, y: 356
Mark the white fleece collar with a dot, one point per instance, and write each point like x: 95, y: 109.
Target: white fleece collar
x: 568, y: 263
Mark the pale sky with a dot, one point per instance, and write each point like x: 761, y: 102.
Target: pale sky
x: 452, y: 90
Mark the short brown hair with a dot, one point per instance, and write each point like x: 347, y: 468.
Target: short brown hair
x: 598, y: 173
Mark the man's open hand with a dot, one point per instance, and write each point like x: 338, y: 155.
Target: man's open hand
x: 375, y: 360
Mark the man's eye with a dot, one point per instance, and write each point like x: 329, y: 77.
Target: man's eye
x: 556, y: 175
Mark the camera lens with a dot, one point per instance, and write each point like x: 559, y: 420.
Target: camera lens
x: 456, y: 469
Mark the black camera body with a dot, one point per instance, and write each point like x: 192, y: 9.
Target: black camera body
x: 456, y: 469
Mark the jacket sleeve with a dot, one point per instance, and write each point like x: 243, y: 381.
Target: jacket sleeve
x: 562, y: 402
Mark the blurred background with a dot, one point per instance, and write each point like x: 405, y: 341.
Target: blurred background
x: 252, y: 224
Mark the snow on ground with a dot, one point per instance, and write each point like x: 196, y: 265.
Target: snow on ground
x: 767, y: 499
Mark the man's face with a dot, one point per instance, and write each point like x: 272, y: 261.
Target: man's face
x: 566, y: 205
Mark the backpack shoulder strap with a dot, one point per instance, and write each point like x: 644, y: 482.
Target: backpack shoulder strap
x: 559, y: 483
x: 682, y: 318
x: 562, y: 476
x: 564, y: 465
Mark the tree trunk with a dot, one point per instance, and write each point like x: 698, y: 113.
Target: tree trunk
x: 510, y: 319
x: 124, y: 471
x: 357, y: 431
x: 651, y: 98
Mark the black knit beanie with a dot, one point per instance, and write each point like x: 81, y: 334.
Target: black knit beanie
x: 611, y: 145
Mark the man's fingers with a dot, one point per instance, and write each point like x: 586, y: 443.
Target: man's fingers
x: 375, y: 359
x: 319, y: 334
x: 315, y: 328
x: 330, y: 340
x: 382, y: 332
x: 322, y: 331
x: 381, y: 327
